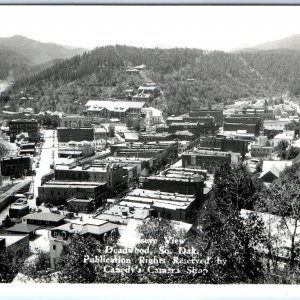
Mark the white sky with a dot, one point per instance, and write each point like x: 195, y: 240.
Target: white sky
x: 205, y: 27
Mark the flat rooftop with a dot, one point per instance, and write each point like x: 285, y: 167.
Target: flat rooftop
x: 11, y: 239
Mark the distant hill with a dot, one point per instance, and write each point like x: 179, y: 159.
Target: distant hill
x: 291, y: 43
x: 20, y: 55
x: 189, y: 78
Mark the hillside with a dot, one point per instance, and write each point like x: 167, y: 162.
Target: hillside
x: 20, y: 56
x: 189, y: 78
x: 291, y: 42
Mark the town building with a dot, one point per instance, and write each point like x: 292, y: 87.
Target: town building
x: 76, y: 149
x: 225, y: 144
x: 75, y: 121
x: 18, y: 210
x: 109, y: 109
x: 95, y: 171
x: 155, y: 150
x: 154, y: 136
x: 177, y: 180
x: 172, y: 206
x: 248, y: 128
x: 27, y: 149
x: 261, y: 151
x: 122, y: 215
x: 65, y: 135
x: 29, y: 126
x: 153, y: 116
x: 81, y: 205
x: 101, y: 231
x: 279, y: 125
x: 208, y: 160
x: 196, y: 128
x: 16, y: 166
x: 58, y: 192
x: 216, y: 113
x: 286, y: 136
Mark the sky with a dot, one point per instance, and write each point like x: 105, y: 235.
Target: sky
x: 206, y: 27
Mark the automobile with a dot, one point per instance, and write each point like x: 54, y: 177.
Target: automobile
x: 49, y: 205
x: 61, y: 207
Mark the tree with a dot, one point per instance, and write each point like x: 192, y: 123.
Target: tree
x: 282, y: 200
x: 234, y: 187
x: 71, y: 265
x: 38, y: 269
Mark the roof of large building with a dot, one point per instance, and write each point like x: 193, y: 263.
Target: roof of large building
x: 114, y: 105
x: 44, y: 217
x: 11, y: 239
x: 87, y: 228
x: 25, y: 228
x: 68, y: 184
x: 160, y: 199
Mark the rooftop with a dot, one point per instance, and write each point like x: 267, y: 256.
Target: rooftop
x: 113, y: 105
x: 11, y: 239
x: 44, y: 217
x: 25, y: 228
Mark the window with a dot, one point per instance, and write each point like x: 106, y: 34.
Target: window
x: 54, y: 247
x: 55, y: 233
x: 64, y: 234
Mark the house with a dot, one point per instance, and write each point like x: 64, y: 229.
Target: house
x: 15, y: 245
x: 43, y: 219
x: 287, y: 136
x: 61, y: 235
x: 23, y: 229
x: 272, y: 169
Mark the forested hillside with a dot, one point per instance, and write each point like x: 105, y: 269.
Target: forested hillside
x: 189, y: 78
x: 20, y: 56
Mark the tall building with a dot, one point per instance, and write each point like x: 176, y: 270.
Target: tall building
x: 29, y: 126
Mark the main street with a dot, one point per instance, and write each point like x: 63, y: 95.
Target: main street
x: 49, y: 155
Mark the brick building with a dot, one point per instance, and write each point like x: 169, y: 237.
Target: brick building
x: 225, y: 144
x: 75, y: 121
x: 208, y: 160
x: 216, y: 113
x: 29, y: 126
x: 177, y: 180
x: 16, y: 166
x: 65, y: 135
x: 58, y: 192
x: 261, y: 151
x: 97, y: 171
